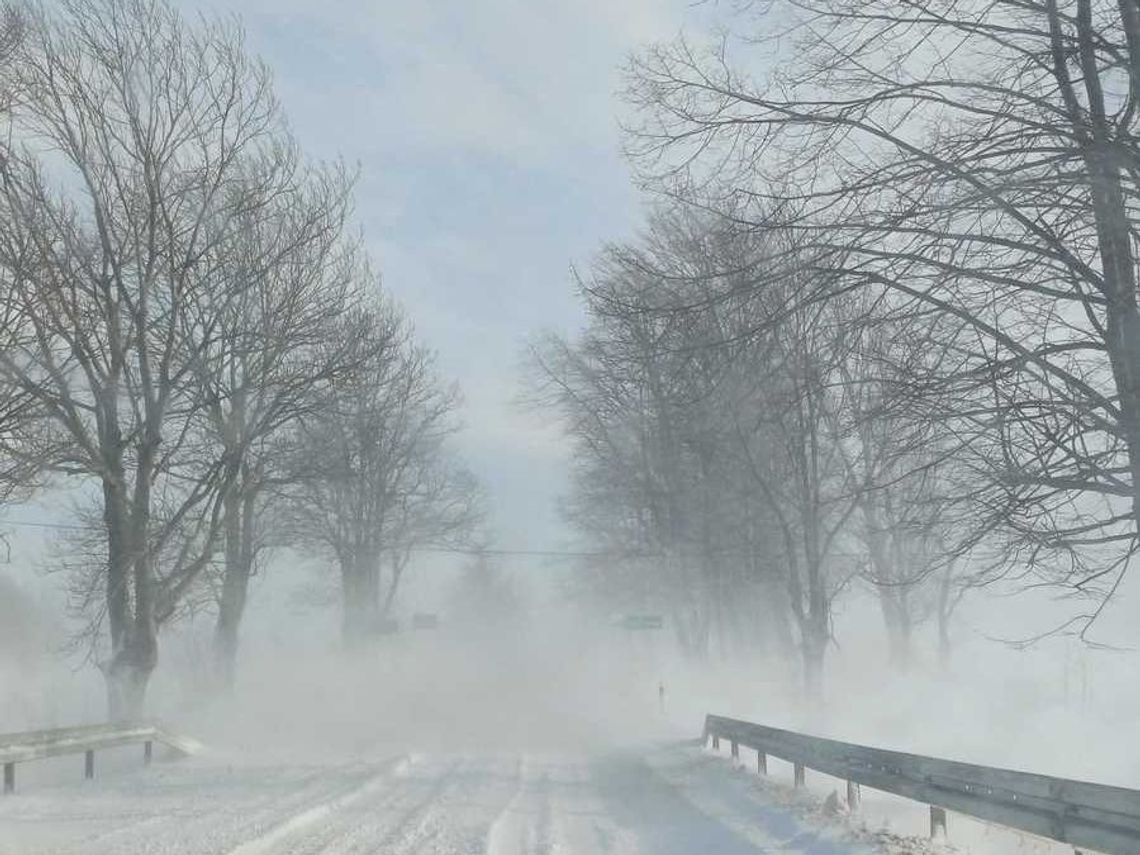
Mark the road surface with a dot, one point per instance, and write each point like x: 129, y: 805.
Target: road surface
x: 659, y: 801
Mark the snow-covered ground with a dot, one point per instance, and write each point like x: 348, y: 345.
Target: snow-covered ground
x: 661, y: 799
x: 670, y: 800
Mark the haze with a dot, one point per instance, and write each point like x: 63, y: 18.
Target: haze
x: 426, y: 414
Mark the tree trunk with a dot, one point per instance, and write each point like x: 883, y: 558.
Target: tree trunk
x: 399, y: 562
x: 127, y: 678
x: 360, y: 581
x: 1100, y: 150
x: 904, y: 653
x: 896, y: 619
x: 777, y: 635
x: 141, y: 652
x: 944, y: 647
x: 134, y: 642
x: 945, y: 612
x: 813, y: 653
x: 239, y: 555
x: 817, y: 625
x: 118, y: 558
x: 352, y: 606
x: 816, y: 633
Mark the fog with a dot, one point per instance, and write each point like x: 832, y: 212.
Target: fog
x: 417, y: 420
x: 559, y: 680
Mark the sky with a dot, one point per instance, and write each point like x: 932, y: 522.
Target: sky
x: 489, y: 149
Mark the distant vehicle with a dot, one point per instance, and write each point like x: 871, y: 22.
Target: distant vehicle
x: 425, y: 620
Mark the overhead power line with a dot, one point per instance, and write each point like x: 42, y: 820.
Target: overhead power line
x: 427, y: 547
x: 537, y: 553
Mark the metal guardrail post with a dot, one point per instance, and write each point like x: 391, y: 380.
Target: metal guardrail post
x: 9, y: 778
x: 148, y: 752
x: 852, y: 795
x: 761, y: 763
x: 798, y: 774
x: 937, y: 822
x: 716, y: 742
x: 735, y: 750
x: 89, y: 765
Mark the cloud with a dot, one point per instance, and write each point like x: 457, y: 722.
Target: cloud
x: 489, y: 149
x: 514, y: 77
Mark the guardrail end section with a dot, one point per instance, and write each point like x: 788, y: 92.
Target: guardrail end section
x: 182, y: 746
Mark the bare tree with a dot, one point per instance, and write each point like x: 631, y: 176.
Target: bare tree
x: 439, y: 506
x: 11, y: 34
x: 704, y: 418
x: 113, y: 249
x: 368, y: 486
x: 630, y: 398
x: 15, y: 405
x: 788, y: 425
x: 293, y: 281
x: 486, y: 600
x: 975, y: 161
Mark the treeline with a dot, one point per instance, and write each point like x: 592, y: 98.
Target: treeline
x: 193, y: 343
x: 882, y: 327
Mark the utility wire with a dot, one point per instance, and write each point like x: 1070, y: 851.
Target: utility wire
x: 33, y: 524
x: 427, y: 547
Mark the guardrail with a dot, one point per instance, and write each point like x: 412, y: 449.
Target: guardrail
x: 1095, y: 816
x: 39, y: 744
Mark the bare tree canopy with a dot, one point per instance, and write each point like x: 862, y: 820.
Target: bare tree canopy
x: 181, y: 298
x: 373, y: 480
x: 971, y: 168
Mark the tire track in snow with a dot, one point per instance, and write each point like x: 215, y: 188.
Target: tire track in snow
x: 523, y: 826
x: 580, y: 822
x: 265, y: 843
x: 459, y: 821
x: 431, y: 805
x: 384, y: 824
x: 658, y: 816
x: 558, y: 810
x: 654, y: 803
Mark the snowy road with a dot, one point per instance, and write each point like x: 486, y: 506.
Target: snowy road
x: 672, y: 801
